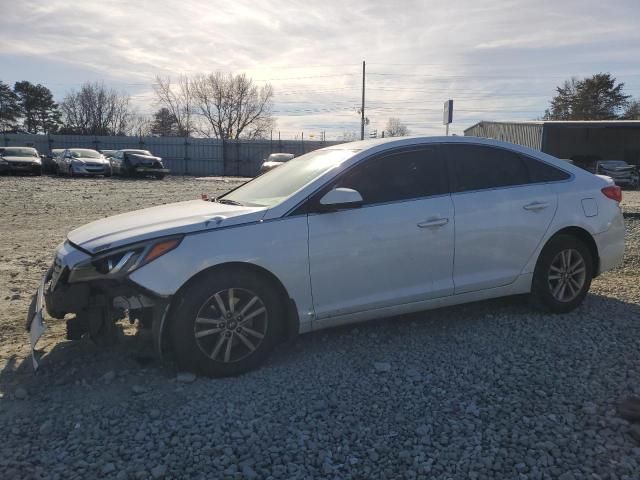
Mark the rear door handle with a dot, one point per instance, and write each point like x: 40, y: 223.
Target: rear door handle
x: 535, y: 206
x: 433, y: 222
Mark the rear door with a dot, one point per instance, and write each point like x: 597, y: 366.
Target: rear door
x: 501, y: 214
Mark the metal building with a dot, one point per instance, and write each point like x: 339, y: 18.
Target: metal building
x: 583, y: 142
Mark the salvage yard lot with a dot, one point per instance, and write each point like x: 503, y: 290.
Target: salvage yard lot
x: 488, y: 390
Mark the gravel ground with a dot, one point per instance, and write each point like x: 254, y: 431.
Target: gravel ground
x: 481, y: 391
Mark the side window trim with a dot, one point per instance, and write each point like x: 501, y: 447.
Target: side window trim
x: 305, y: 206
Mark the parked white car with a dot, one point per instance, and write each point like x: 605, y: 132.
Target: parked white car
x: 347, y: 233
x: 82, y: 161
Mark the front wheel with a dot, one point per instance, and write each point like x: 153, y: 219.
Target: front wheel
x: 562, y: 276
x: 226, y: 324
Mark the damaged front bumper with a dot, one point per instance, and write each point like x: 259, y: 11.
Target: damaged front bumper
x: 97, y: 304
x: 35, y: 320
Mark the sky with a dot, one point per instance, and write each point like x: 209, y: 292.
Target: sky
x: 497, y: 59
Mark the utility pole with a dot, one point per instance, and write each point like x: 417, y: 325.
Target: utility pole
x: 362, y: 109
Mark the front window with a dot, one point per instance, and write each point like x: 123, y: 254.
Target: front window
x: 82, y: 153
x: 278, y: 184
x: 19, y: 152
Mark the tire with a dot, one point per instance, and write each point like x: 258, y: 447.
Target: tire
x: 547, y: 291
x: 38, y: 172
x: 221, y: 349
x: 159, y: 176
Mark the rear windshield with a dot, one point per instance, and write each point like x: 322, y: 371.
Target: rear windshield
x: 19, y: 152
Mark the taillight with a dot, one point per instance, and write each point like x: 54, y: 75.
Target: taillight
x: 613, y: 192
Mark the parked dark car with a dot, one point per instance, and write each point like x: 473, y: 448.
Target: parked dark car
x: 20, y: 160
x: 137, y: 163
x: 621, y: 172
x: 275, y: 160
x: 108, y: 153
x: 49, y: 163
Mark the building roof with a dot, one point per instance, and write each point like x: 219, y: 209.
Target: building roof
x: 568, y: 123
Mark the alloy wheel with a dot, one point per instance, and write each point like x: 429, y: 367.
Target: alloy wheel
x: 231, y: 325
x: 567, y: 275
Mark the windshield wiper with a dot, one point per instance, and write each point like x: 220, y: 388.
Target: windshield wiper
x: 226, y: 201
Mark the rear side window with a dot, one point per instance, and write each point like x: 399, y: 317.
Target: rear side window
x: 399, y: 176
x: 540, y: 172
x: 477, y: 167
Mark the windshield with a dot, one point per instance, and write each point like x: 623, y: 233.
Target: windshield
x: 139, y: 152
x: 280, y: 157
x: 85, y: 153
x: 276, y: 185
x: 614, y: 163
x: 19, y: 152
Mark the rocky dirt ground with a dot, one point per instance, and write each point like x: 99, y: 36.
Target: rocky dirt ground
x: 481, y: 391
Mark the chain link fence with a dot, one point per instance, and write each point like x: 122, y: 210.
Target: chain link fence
x: 183, y: 156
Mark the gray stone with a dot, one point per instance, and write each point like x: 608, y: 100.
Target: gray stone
x: 382, y: 367
x: 186, y: 377
x: 21, y: 393
x: 138, y: 389
x: 108, y: 468
x: 46, y: 428
x: 159, y: 471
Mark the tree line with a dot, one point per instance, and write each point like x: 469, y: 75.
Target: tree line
x: 230, y: 106
x: 217, y: 105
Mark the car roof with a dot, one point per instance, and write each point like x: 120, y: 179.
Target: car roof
x: 418, y: 140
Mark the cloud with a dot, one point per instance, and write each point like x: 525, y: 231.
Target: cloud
x: 499, y: 59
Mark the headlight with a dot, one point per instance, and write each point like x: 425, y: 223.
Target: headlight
x: 121, y: 262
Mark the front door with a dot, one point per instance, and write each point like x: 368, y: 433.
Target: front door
x: 396, y: 248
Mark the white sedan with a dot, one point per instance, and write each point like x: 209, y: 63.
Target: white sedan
x: 343, y: 234
x: 82, y: 161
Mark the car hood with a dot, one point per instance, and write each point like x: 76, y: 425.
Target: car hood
x: 163, y: 220
x: 90, y: 160
x: 10, y: 158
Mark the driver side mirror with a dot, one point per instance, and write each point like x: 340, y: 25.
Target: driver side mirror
x: 340, y: 198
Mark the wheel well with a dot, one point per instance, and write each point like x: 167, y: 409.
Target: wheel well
x: 292, y: 323
x: 588, y: 240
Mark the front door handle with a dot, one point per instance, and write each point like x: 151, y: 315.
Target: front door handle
x: 535, y: 206
x: 433, y: 222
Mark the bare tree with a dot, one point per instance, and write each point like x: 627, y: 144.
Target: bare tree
x: 178, y: 99
x: 95, y: 110
x: 139, y: 125
x: 232, y: 106
x: 395, y: 128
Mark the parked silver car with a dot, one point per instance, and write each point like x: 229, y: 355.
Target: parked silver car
x: 82, y: 161
x: 20, y: 160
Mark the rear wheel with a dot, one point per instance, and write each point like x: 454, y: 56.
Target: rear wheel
x: 562, y: 275
x: 227, y: 323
